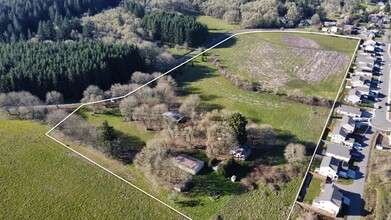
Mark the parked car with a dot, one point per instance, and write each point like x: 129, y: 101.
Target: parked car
x: 357, y: 148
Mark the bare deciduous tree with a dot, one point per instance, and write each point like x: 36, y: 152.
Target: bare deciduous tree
x: 54, y: 98
x: 127, y: 107
x: 295, y: 152
x: 190, y: 105
x: 141, y: 78
x: 91, y: 94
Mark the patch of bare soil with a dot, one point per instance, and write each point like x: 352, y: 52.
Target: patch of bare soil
x: 317, y: 63
x: 273, y: 65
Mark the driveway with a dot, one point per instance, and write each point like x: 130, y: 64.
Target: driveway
x: 380, y: 119
x: 355, y: 191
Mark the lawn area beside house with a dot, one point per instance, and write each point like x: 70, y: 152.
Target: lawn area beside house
x: 42, y: 179
x: 313, y: 190
x: 313, y: 65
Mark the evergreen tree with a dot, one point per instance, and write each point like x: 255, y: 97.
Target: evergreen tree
x: 238, y: 123
x: 108, y: 133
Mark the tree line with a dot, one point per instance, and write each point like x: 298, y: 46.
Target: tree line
x: 19, y: 18
x: 175, y: 28
x: 67, y: 67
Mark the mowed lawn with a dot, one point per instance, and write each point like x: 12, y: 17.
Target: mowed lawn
x: 278, y: 58
x: 298, y: 121
x: 40, y: 179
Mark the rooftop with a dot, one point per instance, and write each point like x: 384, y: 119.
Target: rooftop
x: 340, y: 130
x: 346, y: 120
x: 188, y: 161
x: 330, y: 162
x: 350, y: 109
x: 331, y: 193
x: 338, y: 149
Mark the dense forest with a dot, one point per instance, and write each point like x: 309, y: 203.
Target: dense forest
x: 67, y: 67
x: 175, y: 28
x: 20, y: 18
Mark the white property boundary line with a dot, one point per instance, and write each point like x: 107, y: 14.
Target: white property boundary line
x: 325, y: 126
x: 166, y: 73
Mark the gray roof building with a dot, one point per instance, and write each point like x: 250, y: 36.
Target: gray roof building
x: 338, y: 151
x: 331, y: 193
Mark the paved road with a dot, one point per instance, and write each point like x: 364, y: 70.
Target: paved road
x: 355, y: 191
x: 380, y: 119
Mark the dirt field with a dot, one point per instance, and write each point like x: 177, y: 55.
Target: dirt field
x: 288, y: 61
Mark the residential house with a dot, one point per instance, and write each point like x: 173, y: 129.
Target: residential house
x: 349, y: 111
x: 369, y: 49
x: 334, y: 29
x: 189, y: 164
x: 338, y: 151
x: 354, y: 96
x: 369, y: 42
x: 328, y: 167
x: 348, y: 123
x: 329, y: 23
x: 339, y: 134
x: 241, y: 152
x: 176, y: 117
x: 363, y: 90
x: 330, y: 199
x: 359, y: 80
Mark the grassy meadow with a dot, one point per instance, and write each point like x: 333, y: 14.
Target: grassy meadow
x: 40, y: 179
x: 216, y: 26
x: 295, y: 120
x: 307, y: 63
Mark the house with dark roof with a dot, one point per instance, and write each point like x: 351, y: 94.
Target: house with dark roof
x: 338, y: 151
x: 330, y: 199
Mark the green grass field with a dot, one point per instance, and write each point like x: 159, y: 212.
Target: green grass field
x: 313, y: 190
x: 296, y: 121
x: 216, y: 26
x: 286, y: 61
x: 40, y: 179
x: 262, y: 203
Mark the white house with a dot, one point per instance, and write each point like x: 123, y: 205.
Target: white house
x: 363, y: 90
x: 189, y: 164
x: 334, y: 29
x: 348, y: 123
x: 369, y: 42
x: 338, y: 151
x: 339, y: 134
x: 328, y: 167
x: 369, y: 49
x: 354, y: 96
x: 349, y: 111
x: 330, y: 199
x: 329, y: 23
x: 360, y: 81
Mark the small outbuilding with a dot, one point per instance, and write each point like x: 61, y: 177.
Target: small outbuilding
x: 189, y: 164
